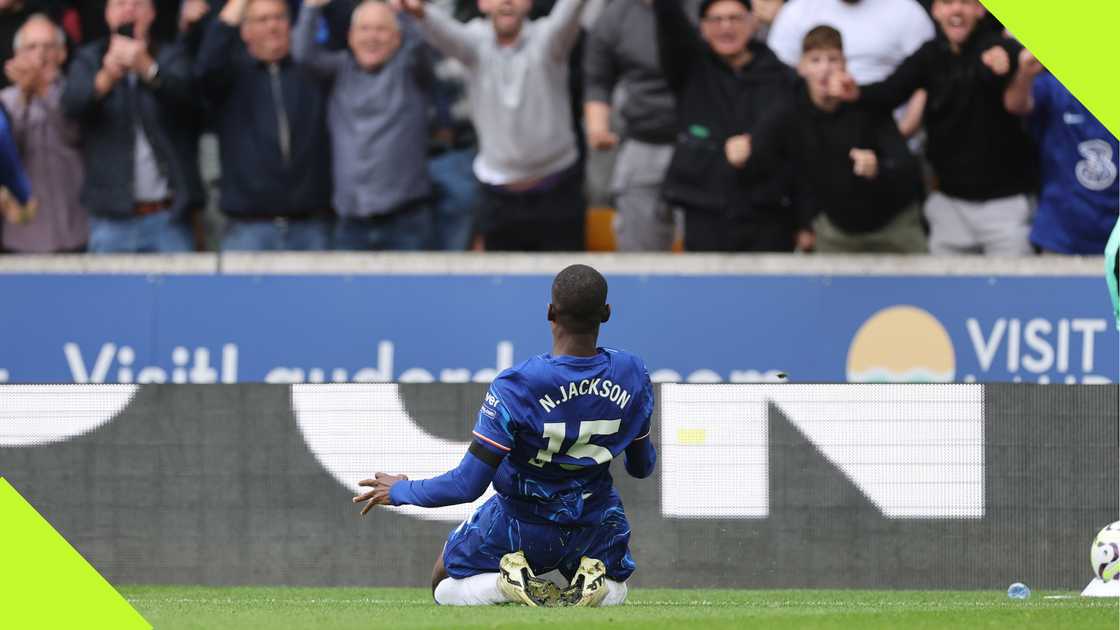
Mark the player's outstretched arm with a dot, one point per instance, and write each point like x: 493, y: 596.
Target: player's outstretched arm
x: 463, y: 484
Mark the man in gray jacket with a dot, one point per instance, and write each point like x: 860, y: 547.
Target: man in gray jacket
x: 377, y: 113
x: 517, y: 73
x: 622, y: 52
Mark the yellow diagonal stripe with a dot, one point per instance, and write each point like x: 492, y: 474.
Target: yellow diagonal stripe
x: 1076, y: 41
x: 45, y: 583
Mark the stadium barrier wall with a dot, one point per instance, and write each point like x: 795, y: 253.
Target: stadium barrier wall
x: 463, y: 317
x: 757, y: 486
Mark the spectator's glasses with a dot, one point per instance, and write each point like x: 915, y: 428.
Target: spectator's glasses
x: 736, y: 19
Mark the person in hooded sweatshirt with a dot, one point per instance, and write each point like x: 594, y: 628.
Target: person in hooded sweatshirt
x: 725, y: 83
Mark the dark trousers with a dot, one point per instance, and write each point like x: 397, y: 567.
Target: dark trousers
x: 549, y: 218
x: 714, y: 231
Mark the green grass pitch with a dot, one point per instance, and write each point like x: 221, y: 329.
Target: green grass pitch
x: 204, y: 608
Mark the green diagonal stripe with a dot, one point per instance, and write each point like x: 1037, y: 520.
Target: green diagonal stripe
x: 45, y: 583
x: 1076, y: 41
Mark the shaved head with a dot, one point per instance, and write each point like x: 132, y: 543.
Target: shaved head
x: 579, y: 299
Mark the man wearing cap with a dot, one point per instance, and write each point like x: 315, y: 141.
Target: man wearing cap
x: 725, y: 85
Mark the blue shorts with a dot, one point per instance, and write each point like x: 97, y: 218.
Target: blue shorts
x: 478, y: 544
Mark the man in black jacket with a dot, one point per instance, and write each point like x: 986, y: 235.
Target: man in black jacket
x: 130, y: 97
x: 856, y: 182
x: 270, y: 115
x: 725, y: 84
x: 982, y: 157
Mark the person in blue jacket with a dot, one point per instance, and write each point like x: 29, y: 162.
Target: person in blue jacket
x: 1080, y: 197
x: 15, y: 187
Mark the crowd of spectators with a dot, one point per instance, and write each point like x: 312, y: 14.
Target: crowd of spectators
x: 902, y: 126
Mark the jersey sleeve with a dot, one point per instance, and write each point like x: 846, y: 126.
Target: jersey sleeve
x: 646, y: 410
x: 493, y: 440
x: 12, y: 175
x: 640, y: 454
x: 462, y: 484
x: 494, y: 426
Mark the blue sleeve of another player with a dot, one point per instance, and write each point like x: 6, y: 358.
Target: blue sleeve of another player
x: 640, y: 455
x: 463, y: 484
x: 12, y: 174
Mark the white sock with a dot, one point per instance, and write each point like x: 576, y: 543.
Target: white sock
x: 616, y: 593
x: 476, y: 590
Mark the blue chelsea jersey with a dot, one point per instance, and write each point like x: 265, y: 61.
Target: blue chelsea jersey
x: 1079, y: 161
x: 562, y: 420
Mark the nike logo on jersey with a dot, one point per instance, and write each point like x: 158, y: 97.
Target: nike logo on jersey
x: 603, y: 388
x: 1071, y: 118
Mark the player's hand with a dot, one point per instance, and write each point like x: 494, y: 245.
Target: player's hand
x: 381, y: 483
x: 997, y: 60
x: 1029, y: 64
x: 738, y: 150
x: 841, y: 85
x: 864, y: 163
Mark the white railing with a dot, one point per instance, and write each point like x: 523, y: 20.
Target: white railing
x: 468, y: 263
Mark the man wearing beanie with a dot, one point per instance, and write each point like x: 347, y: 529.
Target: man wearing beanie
x: 726, y: 84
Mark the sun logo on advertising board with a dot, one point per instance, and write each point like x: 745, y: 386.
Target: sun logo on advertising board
x: 901, y: 344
